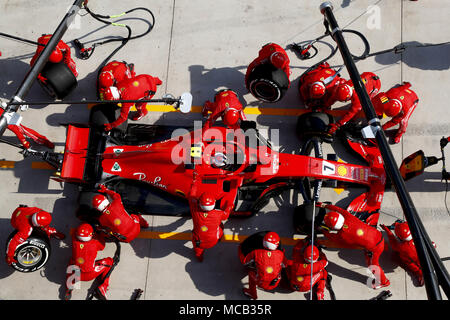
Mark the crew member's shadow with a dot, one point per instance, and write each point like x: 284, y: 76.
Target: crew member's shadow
x: 5, y: 230
x: 425, y: 58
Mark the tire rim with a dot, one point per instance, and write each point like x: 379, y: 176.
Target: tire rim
x: 29, y: 256
x: 266, y: 90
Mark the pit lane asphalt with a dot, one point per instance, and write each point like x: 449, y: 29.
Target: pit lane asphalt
x: 202, y: 47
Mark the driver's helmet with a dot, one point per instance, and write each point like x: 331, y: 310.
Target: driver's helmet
x: 207, y: 202
x: 271, y: 241
x: 41, y: 219
x: 402, y: 231
x: 84, y: 232
x: 317, y: 90
x: 334, y: 220
x: 311, y: 254
x: 106, y: 79
x: 100, y: 202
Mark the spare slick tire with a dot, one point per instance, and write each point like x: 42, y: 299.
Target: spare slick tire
x: 314, y: 124
x: 33, y: 253
x: 267, y: 83
x: 60, y: 80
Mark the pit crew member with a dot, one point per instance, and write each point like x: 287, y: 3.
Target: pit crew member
x: 226, y: 105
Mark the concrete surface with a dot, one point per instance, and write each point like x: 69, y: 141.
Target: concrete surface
x: 202, y: 46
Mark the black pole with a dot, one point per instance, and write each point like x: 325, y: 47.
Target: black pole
x: 32, y: 103
x: 390, y: 165
x: 28, y: 81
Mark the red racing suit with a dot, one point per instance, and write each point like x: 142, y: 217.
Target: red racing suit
x: 409, y: 100
x: 372, y: 85
x: 407, y: 254
x: 120, y: 71
x: 299, y: 271
x: 21, y: 221
x: 22, y: 132
x: 264, y: 56
x: 117, y: 219
x: 84, y: 254
x: 325, y: 74
x: 65, y: 49
x: 357, y: 234
x: 136, y: 88
x: 223, y: 101
x: 267, y: 272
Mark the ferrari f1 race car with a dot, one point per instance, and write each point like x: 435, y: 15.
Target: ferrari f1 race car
x: 154, y: 167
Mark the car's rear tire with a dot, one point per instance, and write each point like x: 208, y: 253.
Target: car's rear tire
x: 267, y: 83
x: 60, y: 80
x: 102, y: 114
x: 32, y: 254
x: 314, y: 124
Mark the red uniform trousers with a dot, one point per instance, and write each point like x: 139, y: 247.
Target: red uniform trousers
x: 267, y: 272
x: 299, y: 271
x: 409, y: 100
x: 140, y: 87
x: 118, y: 220
x: 65, y: 49
x: 320, y: 74
x: 357, y: 234
x: 223, y: 101
x: 208, y: 229
x: 21, y: 221
x: 407, y: 254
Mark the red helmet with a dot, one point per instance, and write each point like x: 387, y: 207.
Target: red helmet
x: 392, y: 107
x: 56, y: 56
x: 111, y: 93
x: 231, y: 117
x: 317, y: 90
x: 41, y: 219
x: 278, y: 59
x: 84, y: 232
x: 100, y: 202
x: 334, y: 220
x: 271, y: 241
x: 344, y: 92
x: 402, y: 231
x: 207, y: 201
x: 307, y: 254
x: 106, y: 79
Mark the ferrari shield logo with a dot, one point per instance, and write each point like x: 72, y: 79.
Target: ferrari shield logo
x: 116, y: 167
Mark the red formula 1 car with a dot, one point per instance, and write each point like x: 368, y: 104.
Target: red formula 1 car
x: 155, y: 167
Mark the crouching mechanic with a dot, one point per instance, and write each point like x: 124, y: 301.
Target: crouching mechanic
x: 83, y: 265
x: 398, y: 103
x: 208, y: 223
x: 372, y: 84
x: 319, y: 88
x: 342, y: 227
x: 114, y: 216
x: 113, y: 73
x: 265, y: 266
x: 226, y: 105
x: 403, y: 245
x: 304, y: 258
x: 23, y: 132
x: 24, y: 219
x: 61, y: 53
x: 141, y: 87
